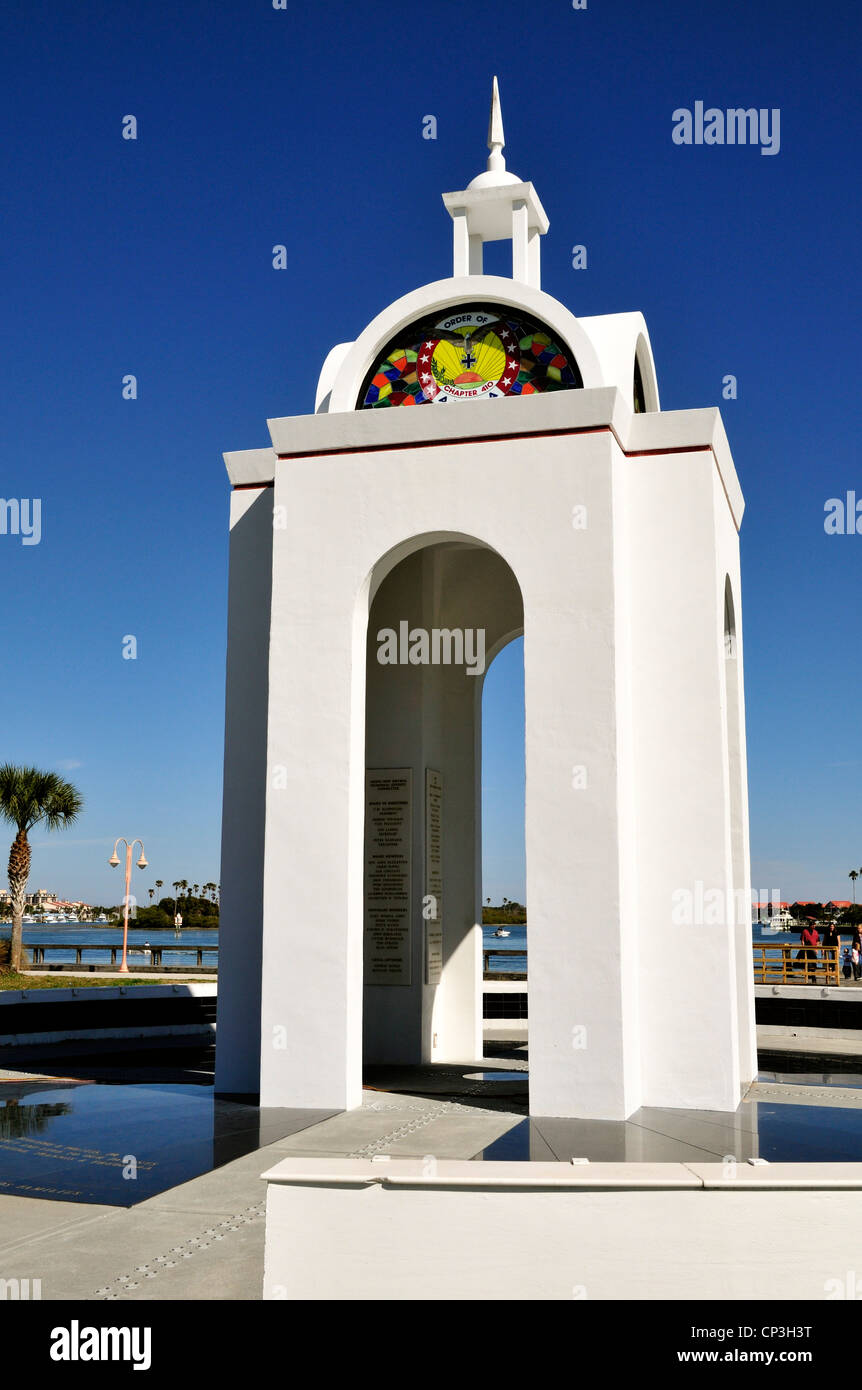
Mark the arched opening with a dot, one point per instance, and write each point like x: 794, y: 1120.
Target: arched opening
x: 738, y: 830
x: 644, y: 386
x: 638, y: 392
x: 440, y: 609
x: 504, y: 897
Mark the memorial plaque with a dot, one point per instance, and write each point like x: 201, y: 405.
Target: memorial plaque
x: 388, y: 846
x: 432, y: 909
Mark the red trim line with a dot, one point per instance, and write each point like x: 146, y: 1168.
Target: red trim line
x: 494, y: 439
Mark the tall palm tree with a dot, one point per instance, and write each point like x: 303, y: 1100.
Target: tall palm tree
x: 160, y: 883
x: 195, y: 889
x: 853, y: 875
x: 29, y: 797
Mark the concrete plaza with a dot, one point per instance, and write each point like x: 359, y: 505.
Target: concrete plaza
x: 204, y: 1239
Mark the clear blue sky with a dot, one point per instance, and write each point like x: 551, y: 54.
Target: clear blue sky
x: 259, y: 126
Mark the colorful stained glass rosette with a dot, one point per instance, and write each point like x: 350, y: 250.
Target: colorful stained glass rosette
x: 478, y: 352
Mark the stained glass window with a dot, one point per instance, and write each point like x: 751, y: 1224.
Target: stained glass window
x: 470, y: 352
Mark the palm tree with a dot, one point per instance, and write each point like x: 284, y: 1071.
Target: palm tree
x: 160, y: 883
x: 151, y: 891
x: 195, y: 889
x: 28, y: 797
x: 853, y: 875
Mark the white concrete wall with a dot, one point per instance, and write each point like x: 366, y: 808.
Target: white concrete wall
x: 740, y: 858
x: 688, y: 997
x: 315, y: 831
x: 624, y: 677
x: 337, y: 1229
x: 243, y: 816
x: 578, y: 967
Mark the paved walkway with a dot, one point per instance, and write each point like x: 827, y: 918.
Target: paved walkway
x: 204, y: 1239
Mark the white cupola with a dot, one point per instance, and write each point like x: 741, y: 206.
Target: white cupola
x: 497, y: 206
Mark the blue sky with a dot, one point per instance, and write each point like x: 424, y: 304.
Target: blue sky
x: 303, y: 126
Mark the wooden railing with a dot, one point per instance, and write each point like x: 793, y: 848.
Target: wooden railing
x: 772, y: 968
x: 489, y: 974
x: 134, y: 954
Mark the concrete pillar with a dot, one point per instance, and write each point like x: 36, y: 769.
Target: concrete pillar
x: 244, y: 819
x: 534, y: 258
x: 520, y: 239
x: 460, y: 243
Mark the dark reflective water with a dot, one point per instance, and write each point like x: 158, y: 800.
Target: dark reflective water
x: 779, y: 1133
x: 118, y: 1144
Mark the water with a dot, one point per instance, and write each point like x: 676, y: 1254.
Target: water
x: 118, y: 1144
x: 777, y: 1132
x: 516, y: 940
x: 81, y: 934
x: 113, y: 936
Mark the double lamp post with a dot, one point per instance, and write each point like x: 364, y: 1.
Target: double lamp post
x: 142, y: 864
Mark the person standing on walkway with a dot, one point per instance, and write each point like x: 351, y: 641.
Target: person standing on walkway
x: 810, y: 940
x: 831, y: 938
x: 856, y: 954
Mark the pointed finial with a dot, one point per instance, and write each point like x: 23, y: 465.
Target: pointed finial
x: 496, y: 139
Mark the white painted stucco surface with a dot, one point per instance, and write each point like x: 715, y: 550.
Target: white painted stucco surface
x: 625, y: 677
x: 342, y: 1229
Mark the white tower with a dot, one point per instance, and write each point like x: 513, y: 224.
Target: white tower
x: 371, y: 545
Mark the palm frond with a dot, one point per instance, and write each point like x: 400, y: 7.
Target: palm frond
x: 28, y: 796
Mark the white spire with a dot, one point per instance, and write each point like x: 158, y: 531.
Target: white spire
x: 496, y: 139
x: 495, y: 173
x: 497, y: 206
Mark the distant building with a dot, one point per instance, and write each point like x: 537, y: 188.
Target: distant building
x: 40, y: 898
x: 765, y: 911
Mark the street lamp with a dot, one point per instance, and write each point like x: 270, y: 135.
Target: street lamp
x: 142, y: 864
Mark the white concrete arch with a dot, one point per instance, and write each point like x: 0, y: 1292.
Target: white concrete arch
x: 729, y: 619
x: 644, y: 358
x: 420, y: 717
x: 345, y: 372
x: 387, y: 561
x: 618, y: 340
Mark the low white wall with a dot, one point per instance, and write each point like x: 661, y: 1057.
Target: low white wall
x: 62, y: 996
x: 420, y: 1229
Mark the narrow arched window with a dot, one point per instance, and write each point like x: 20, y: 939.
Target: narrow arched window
x: 638, y: 390
x: 729, y: 621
